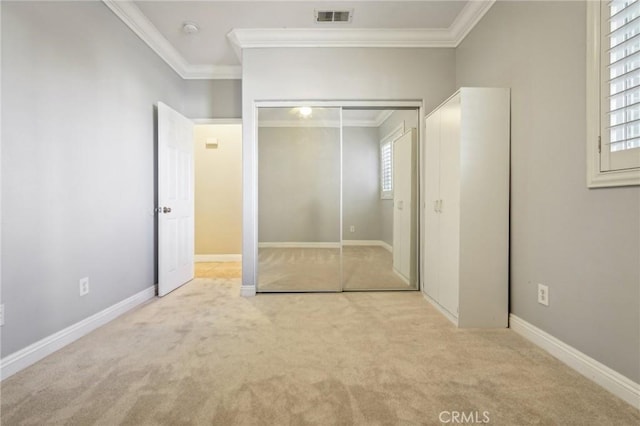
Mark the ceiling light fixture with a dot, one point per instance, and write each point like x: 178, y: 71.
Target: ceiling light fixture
x: 305, y: 111
x: 190, y: 28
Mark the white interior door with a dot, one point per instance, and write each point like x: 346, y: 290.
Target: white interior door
x: 402, y: 204
x: 175, y: 199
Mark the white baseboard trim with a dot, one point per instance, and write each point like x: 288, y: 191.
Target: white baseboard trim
x: 402, y: 277
x: 609, y: 379
x: 441, y: 309
x: 247, y: 290
x: 11, y: 364
x: 298, y: 245
x: 217, y: 258
x: 377, y: 243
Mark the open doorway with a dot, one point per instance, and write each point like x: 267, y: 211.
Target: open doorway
x: 218, y: 200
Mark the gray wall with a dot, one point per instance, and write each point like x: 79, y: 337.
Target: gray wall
x: 362, y: 206
x: 326, y: 73
x: 584, y: 244
x: 299, y: 184
x: 78, y: 95
x: 213, y: 98
x: 295, y: 208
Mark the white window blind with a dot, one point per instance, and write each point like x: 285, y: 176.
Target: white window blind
x: 386, y: 169
x: 620, y: 56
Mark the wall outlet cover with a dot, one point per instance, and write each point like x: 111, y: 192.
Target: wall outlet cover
x: 543, y: 294
x: 84, y: 286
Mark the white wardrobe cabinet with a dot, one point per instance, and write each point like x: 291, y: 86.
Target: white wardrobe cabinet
x: 466, y: 193
x: 404, y: 215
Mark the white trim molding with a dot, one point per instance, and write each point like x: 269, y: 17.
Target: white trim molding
x: 296, y: 244
x: 609, y: 379
x: 448, y: 315
x: 216, y: 121
x: 375, y: 122
x: 133, y: 17
x: 595, y: 177
x: 468, y: 18
x: 452, y: 36
x: 33, y: 353
x: 299, y: 123
x: 247, y: 290
x: 199, y: 258
x: 249, y: 38
x: 368, y: 243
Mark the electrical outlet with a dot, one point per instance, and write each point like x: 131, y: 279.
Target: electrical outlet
x: 352, y: 228
x: 543, y: 294
x: 84, y: 286
x: 1, y: 315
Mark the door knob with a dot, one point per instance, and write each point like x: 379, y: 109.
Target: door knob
x: 166, y: 210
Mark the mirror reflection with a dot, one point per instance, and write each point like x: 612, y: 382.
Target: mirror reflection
x: 379, y: 188
x: 299, y: 199
x: 337, y: 199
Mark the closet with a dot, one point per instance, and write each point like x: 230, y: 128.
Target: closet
x: 337, y: 198
x: 466, y: 193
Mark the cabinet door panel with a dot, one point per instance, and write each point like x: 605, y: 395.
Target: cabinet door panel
x: 449, y: 252
x: 431, y: 196
x: 402, y: 203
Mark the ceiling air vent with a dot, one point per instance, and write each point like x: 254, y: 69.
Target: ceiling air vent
x: 333, y: 16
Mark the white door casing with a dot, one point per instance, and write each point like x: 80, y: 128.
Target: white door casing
x: 175, y: 200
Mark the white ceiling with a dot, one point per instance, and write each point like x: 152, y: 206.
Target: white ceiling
x: 227, y: 26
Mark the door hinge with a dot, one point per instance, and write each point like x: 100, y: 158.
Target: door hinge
x: 599, y: 144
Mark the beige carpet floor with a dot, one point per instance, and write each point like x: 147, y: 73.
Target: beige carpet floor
x: 323, y: 269
x: 370, y: 268
x: 203, y: 355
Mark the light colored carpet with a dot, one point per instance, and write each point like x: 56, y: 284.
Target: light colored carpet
x: 370, y: 268
x: 322, y: 269
x: 203, y: 355
x: 299, y: 269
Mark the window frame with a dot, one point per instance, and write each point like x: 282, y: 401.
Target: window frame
x: 389, y: 140
x: 597, y: 178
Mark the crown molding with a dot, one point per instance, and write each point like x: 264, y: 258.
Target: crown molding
x: 249, y: 38
x: 133, y: 17
x: 469, y: 16
x: 376, y: 122
x: 299, y: 123
x: 382, y: 117
x: 212, y: 72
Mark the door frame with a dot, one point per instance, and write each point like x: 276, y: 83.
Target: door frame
x: 351, y: 104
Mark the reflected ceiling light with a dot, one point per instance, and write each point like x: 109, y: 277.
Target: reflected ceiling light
x: 305, y: 111
x: 190, y: 28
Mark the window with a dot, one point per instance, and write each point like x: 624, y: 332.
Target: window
x: 386, y: 169
x: 613, y: 93
x: 386, y: 162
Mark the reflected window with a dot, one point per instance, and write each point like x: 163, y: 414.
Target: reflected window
x: 386, y: 169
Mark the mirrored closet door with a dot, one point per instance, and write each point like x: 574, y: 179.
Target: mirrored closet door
x: 337, y: 199
x: 379, y: 235
x: 299, y: 199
